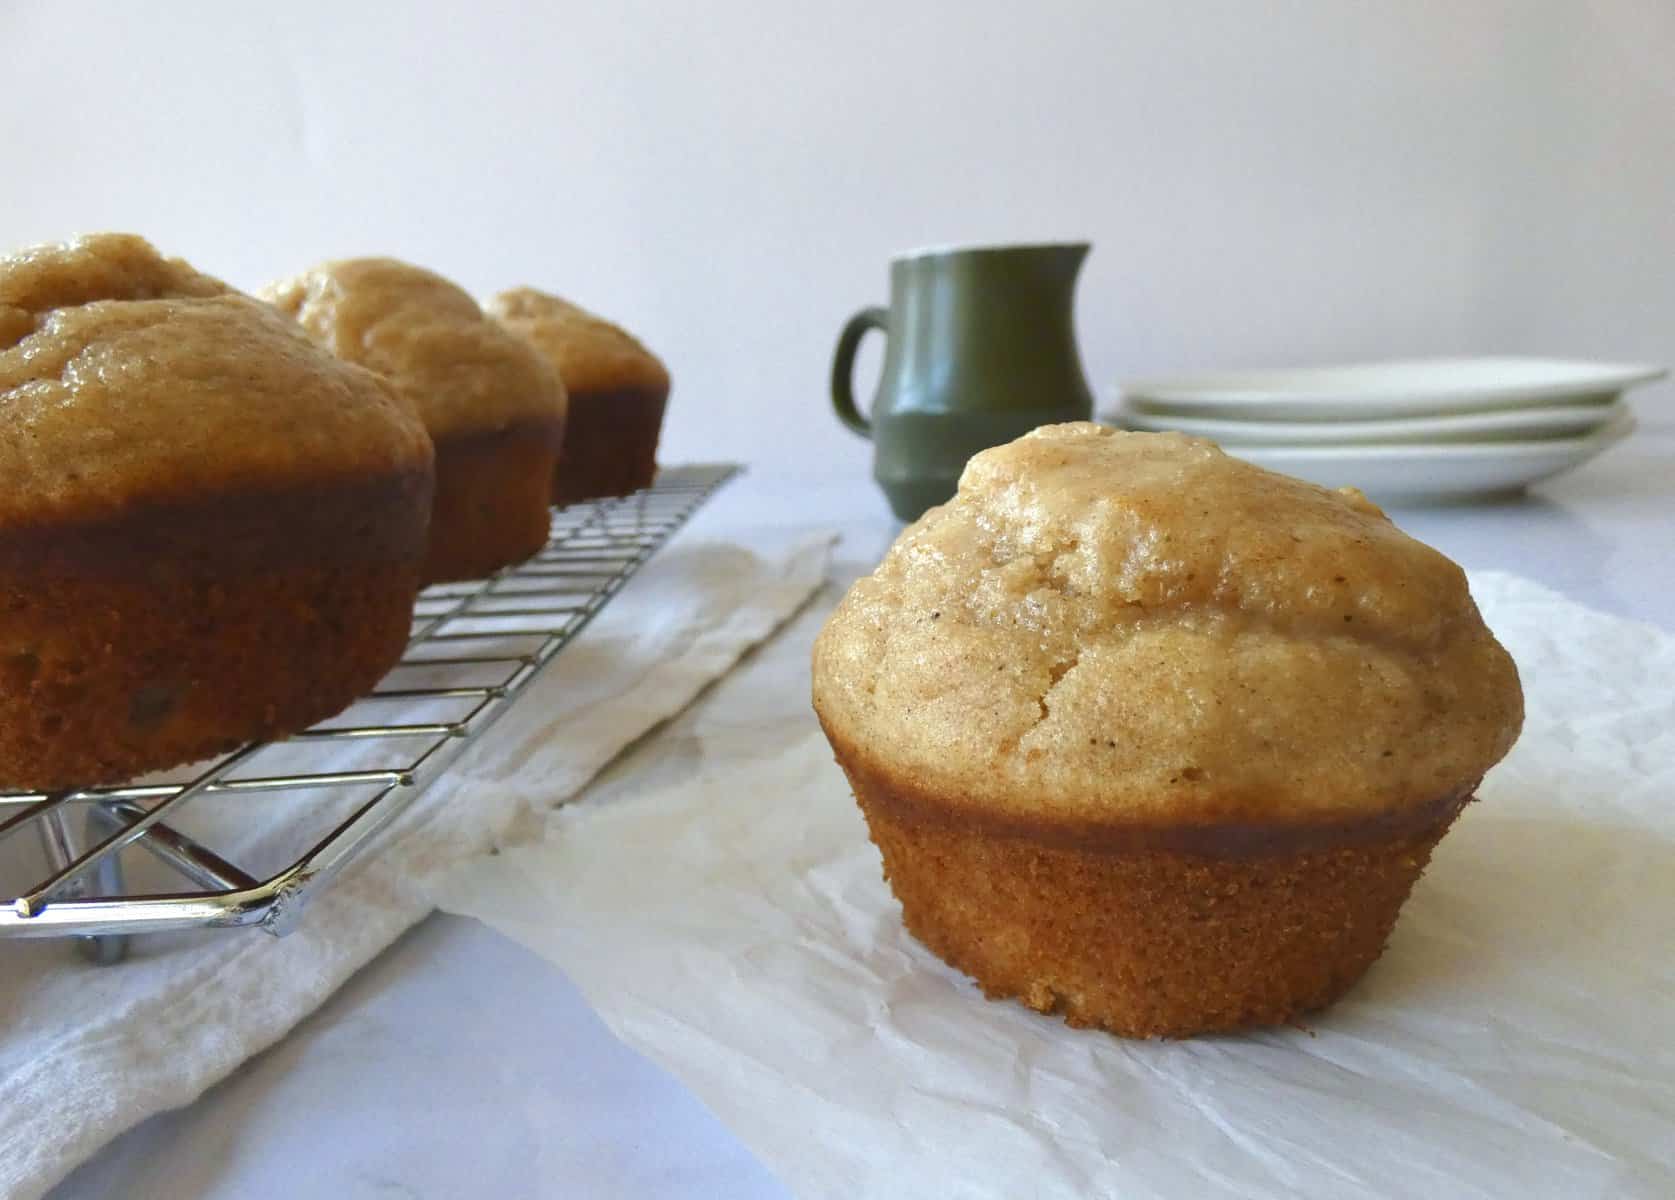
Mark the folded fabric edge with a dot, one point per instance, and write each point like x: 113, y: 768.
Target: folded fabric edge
x: 42, y: 1147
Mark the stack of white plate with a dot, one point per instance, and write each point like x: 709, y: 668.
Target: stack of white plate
x: 1426, y: 430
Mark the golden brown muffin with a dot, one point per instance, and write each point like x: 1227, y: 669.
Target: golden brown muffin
x: 618, y: 392
x: 494, y: 407
x: 1154, y: 738
x: 210, y: 531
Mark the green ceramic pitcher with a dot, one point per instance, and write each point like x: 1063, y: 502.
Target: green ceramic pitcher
x: 980, y: 348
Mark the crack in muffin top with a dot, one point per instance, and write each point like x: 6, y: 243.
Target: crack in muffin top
x: 1138, y: 627
x: 127, y: 378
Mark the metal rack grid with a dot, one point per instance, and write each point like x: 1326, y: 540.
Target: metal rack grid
x: 474, y: 648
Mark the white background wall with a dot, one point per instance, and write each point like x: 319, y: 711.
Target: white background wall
x: 1265, y: 181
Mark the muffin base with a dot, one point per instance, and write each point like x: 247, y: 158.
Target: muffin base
x: 493, y: 500
x: 175, y: 632
x: 1149, y: 932
x: 610, y: 445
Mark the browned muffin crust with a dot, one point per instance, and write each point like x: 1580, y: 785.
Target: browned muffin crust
x: 1147, y: 930
x: 178, y: 631
x: 1148, y: 942
x: 494, y: 406
x: 610, y: 446
x: 210, y: 530
x: 1136, y: 628
x: 128, y: 378
x: 492, y: 499
x: 1154, y: 738
x: 591, y: 353
x: 426, y: 335
x: 618, y: 390
x: 912, y: 801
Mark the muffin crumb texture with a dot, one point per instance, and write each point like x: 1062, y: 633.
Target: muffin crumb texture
x: 493, y: 405
x: 591, y: 353
x: 1156, y: 740
x: 463, y: 372
x: 129, y: 378
x: 211, y: 531
x: 618, y: 393
x: 1106, y: 625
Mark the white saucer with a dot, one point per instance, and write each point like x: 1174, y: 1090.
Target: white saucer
x: 1422, y: 387
x: 1505, y: 425
x: 1433, y: 473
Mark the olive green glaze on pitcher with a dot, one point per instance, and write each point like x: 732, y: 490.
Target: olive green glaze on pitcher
x: 980, y: 348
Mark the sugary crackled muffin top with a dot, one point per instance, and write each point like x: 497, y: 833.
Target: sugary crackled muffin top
x: 129, y: 378
x: 462, y: 371
x: 1135, y: 627
x: 591, y: 354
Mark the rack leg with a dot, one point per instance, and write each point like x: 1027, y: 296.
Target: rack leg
x: 105, y: 948
x: 60, y: 847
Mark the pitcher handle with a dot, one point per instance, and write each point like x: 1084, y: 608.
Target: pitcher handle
x: 843, y: 366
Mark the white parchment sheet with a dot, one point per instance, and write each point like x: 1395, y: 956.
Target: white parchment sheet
x: 1517, y: 1038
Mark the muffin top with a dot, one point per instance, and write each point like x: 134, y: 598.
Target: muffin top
x: 127, y: 378
x: 1136, y: 628
x: 464, y: 373
x: 591, y: 354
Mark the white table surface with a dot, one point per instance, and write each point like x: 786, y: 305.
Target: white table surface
x: 460, y: 1064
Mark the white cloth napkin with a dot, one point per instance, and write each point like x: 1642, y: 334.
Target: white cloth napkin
x: 1516, y: 1039
x: 86, y: 1052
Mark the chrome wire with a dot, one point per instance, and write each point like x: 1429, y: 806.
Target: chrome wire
x: 595, y: 549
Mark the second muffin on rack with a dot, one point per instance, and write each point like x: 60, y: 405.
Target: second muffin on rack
x: 494, y: 407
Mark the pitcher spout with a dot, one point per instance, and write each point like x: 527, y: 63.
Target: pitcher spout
x: 1067, y: 257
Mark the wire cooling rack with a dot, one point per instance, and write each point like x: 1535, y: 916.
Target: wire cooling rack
x: 474, y: 648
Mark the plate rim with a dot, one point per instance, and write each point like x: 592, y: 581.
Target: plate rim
x: 1198, y: 389
x: 1505, y: 419
x: 1614, y: 430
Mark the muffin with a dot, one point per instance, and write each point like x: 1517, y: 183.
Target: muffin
x: 494, y: 407
x: 210, y: 531
x: 1153, y: 738
x: 618, y: 391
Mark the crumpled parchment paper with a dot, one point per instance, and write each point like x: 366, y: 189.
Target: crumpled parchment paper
x: 1516, y: 1039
